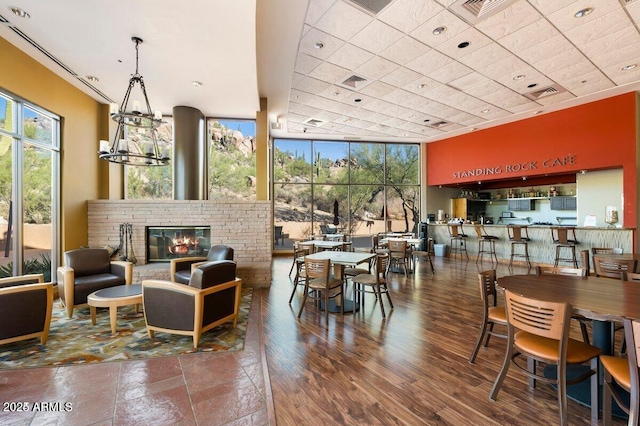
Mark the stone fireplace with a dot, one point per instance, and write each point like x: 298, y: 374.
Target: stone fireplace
x: 171, y: 242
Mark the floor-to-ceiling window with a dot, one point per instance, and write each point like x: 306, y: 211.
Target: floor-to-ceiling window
x: 29, y: 187
x: 358, y: 188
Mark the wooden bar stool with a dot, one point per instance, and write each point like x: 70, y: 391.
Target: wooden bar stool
x: 483, y: 239
x: 519, y: 236
x: 458, y: 239
x: 564, y: 237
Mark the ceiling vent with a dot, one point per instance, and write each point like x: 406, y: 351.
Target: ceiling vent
x: 439, y: 124
x: 371, y: 6
x: 354, y: 82
x: 545, y: 92
x: 314, y: 122
x: 474, y: 11
x: 627, y: 2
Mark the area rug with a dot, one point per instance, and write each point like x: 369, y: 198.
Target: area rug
x: 77, y: 341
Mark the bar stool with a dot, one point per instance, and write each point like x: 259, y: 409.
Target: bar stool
x: 519, y: 236
x: 483, y: 239
x: 458, y: 239
x: 564, y: 237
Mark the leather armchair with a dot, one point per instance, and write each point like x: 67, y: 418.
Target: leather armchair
x: 26, y: 303
x: 88, y: 270
x: 182, y: 268
x: 211, y: 298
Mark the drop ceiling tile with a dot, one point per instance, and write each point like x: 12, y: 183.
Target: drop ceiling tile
x: 341, y: 108
x: 529, y: 36
x: 378, y: 106
x: 377, y: 67
x: 327, y: 116
x: 398, y: 96
x: 579, y: 80
x: 481, y: 109
x: 603, y: 26
x: 476, y: 39
x: 473, y: 121
x: 517, y: 16
x: 305, y: 63
x: 400, y: 112
x: 343, y: 21
x: 469, y: 80
x: 610, y: 42
x: 336, y: 93
x: 305, y: 29
x: 304, y: 110
x: 320, y: 102
x: 485, y: 56
x: 485, y: 89
x: 406, y: 15
x: 564, y: 18
x: 299, y: 96
x: 596, y: 86
x: 421, y: 85
x: 378, y: 118
x: 451, y: 22
x: 634, y: 11
x: 330, y: 43
x: 350, y: 56
x: 377, y: 89
x: 376, y: 37
x: 450, y: 72
x: 361, y: 113
x: 353, y: 100
x: 400, y: 77
x: 546, y: 49
x: 404, y: 50
x: 311, y: 85
x: 296, y: 118
x: 441, y: 94
x: 328, y: 72
x: 316, y: 9
x: 430, y: 61
x: 296, y: 78
x: 547, y: 6
x: 495, y: 115
x: 503, y: 67
x: 619, y: 77
x: 561, y: 60
x: 574, y: 72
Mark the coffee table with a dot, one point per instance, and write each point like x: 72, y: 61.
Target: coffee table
x: 112, y: 297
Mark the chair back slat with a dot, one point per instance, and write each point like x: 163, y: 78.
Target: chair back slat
x: 542, y: 318
x: 578, y: 272
x: 317, y: 268
x: 397, y: 246
x: 487, y: 282
x: 612, y: 268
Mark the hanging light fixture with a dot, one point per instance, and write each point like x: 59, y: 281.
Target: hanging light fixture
x: 123, y: 151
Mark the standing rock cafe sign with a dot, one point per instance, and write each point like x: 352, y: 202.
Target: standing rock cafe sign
x: 526, y: 166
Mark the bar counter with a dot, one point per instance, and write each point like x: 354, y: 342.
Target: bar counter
x: 541, y: 247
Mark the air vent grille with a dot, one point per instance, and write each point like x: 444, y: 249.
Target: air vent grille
x: 372, y: 6
x: 627, y: 2
x: 474, y: 11
x: 314, y: 122
x: 3, y: 20
x: 439, y: 124
x: 354, y: 81
x: 545, y: 92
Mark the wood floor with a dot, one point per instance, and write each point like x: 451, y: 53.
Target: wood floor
x: 410, y: 369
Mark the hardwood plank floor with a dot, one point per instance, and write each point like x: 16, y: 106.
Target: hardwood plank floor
x: 411, y: 368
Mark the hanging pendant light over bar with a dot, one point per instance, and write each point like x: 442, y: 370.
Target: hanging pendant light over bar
x: 123, y: 151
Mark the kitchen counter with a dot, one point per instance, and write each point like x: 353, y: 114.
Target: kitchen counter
x: 541, y: 248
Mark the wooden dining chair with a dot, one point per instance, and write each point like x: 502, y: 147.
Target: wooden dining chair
x: 399, y: 254
x: 375, y: 283
x: 586, y: 264
x: 299, y: 253
x: 578, y: 272
x: 543, y: 336
x: 492, y: 314
x: 320, y: 286
x: 623, y: 373
x: 613, y: 268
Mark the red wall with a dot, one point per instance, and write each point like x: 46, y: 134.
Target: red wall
x: 599, y: 135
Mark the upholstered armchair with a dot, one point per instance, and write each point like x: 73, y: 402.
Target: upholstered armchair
x: 211, y: 298
x: 182, y: 268
x: 87, y: 270
x: 25, y: 308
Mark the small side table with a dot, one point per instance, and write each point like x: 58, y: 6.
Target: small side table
x: 112, y: 298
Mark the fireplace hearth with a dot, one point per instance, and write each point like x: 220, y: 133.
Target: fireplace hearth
x: 171, y: 242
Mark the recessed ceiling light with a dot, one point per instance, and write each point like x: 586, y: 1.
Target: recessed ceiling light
x: 412, y: 116
x: 427, y: 120
x: 583, y: 12
x: 484, y: 111
x: 537, y: 112
x: 357, y: 100
x: 196, y: 83
x: 464, y: 44
x: 473, y: 129
x: 524, y: 178
x: 19, y: 12
x: 583, y: 81
x: 336, y: 93
x: 439, y: 30
x: 421, y: 86
x: 406, y: 134
x: 92, y: 78
x: 519, y: 77
x: 532, y: 85
x: 318, y: 45
x: 629, y: 67
x: 583, y: 171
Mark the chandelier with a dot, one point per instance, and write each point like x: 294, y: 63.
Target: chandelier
x: 128, y: 152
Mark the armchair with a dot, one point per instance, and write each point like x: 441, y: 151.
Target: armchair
x: 26, y: 303
x: 211, y: 298
x: 88, y: 270
x: 182, y: 268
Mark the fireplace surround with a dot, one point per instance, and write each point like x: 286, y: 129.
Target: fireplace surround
x: 171, y: 242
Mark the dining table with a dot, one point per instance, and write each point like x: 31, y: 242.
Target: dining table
x: 327, y: 245
x: 601, y: 299
x: 339, y: 260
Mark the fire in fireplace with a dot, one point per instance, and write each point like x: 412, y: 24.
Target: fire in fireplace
x: 169, y: 242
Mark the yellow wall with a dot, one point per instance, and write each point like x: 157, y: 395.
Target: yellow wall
x: 82, y: 126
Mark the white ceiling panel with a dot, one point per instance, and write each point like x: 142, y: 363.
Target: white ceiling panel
x: 517, y: 16
x: 376, y: 37
x: 328, y: 72
x: 308, y: 44
x: 305, y: 63
x: 400, y: 77
x: 316, y: 9
x: 404, y: 50
x: 406, y: 15
x: 445, y: 19
x: 335, y: 20
x: 350, y: 56
x: 377, y: 67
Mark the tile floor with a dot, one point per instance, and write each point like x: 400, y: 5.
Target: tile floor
x: 200, y: 389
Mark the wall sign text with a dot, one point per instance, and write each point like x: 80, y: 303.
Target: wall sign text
x: 525, y: 166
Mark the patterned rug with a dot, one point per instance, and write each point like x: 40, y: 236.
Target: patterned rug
x: 77, y: 341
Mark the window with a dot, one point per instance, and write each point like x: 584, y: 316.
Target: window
x: 232, y: 159
x: 29, y: 187
x: 361, y: 188
x: 151, y: 182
